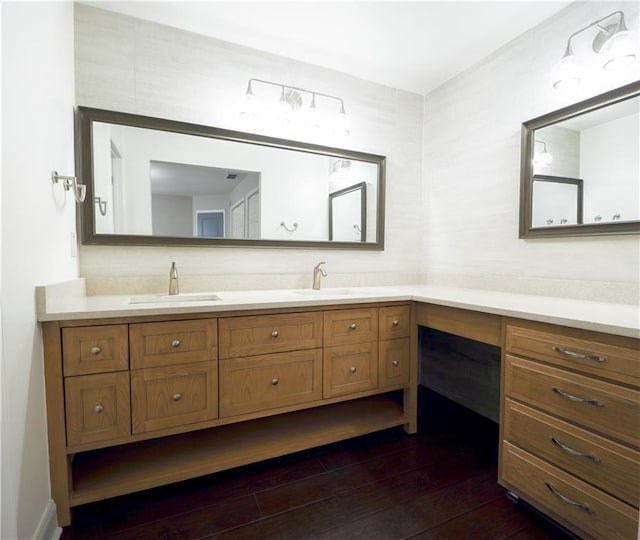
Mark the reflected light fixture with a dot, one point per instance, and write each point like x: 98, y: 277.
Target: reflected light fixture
x: 340, y: 170
x: 544, y: 157
x: 617, y: 46
x: 300, y: 104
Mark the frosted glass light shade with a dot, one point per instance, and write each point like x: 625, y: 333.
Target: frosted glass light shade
x: 620, y: 50
x: 566, y: 73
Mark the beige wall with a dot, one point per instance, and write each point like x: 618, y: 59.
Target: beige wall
x: 471, y: 174
x: 134, y: 66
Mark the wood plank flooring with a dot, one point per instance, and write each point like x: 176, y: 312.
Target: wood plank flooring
x: 440, y: 483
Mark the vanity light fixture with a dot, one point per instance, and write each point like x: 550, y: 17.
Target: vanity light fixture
x: 617, y: 46
x: 340, y: 170
x: 544, y: 157
x: 295, y: 102
x: 70, y: 182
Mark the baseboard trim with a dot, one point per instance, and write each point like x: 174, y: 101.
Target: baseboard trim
x: 48, y: 527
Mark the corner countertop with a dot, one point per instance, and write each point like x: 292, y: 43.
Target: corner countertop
x: 67, y: 301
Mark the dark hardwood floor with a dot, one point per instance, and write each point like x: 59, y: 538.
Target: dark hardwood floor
x: 440, y: 483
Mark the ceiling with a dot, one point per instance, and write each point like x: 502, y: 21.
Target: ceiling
x: 414, y: 46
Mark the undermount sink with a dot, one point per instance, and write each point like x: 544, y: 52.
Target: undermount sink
x: 324, y: 292
x: 171, y: 298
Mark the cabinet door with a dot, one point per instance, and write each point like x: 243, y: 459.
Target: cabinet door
x: 349, y: 369
x: 170, y: 396
x: 394, y: 362
x: 171, y: 343
x: 95, y: 349
x: 348, y: 326
x: 269, y: 381
x: 97, y: 407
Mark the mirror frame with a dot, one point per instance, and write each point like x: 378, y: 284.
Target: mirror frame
x: 526, y: 169
x: 362, y: 187
x: 85, y: 117
x: 577, y: 182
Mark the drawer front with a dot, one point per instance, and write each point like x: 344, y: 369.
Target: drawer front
x: 349, y: 326
x: 262, y: 334
x: 394, y: 362
x: 95, y: 349
x: 610, y: 466
x: 170, y: 396
x: 562, y: 495
x: 349, y: 369
x: 97, y: 407
x: 608, y: 361
x: 394, y: 322
x: 604, y: 407
x: 171, y: 343
x: 266, y: 382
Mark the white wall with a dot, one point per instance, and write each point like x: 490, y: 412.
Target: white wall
x: 471, y: 173
x: 134, y: 66
x: 37, y: 220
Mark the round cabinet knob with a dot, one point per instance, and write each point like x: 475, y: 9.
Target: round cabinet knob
x: 176, y: 397
x: 175, y: 343
x: 274, y: 334
x: 275, y: 382
x: 98, y: 409
x: 96, y: 350
x: 395, y: 363
x: 396, y: 323
x: 353, y: 326
x: 353, y: 369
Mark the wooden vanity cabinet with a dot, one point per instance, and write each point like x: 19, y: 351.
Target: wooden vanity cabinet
x: 570, y: 426
x: 141, y: 402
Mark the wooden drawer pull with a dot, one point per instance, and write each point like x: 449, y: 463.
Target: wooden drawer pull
x: 593, y: 357
x: 175, y: 343
x: 176, y: 397
x: 98, y: 409
x: 96, y: 350
x: 275, y: 334
x: 353, y: 326
x: 573, y: 452
x: 565, y: 395
x: 567, y: 500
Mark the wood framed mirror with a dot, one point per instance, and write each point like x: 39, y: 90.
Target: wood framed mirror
x: 595, y: 141
x: 152, y: 181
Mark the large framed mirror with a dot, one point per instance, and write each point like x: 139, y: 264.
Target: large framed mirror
x: 152, y: 181
x: 580, y: 168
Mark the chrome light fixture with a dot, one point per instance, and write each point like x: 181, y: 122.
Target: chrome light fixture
x: 617, y: 46
x: 297, y: 103
x: 542, y: 158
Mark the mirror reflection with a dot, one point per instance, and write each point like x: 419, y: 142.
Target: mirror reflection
x: 185, y: 184
x: 347, y: 214
x: 581, y: 168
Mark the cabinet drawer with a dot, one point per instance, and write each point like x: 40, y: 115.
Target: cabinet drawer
x: 97, y: 407
x: 170, y: 343
x: 394, y: 322
x: 95, y: 349
x: 610, y: 466
x: 394, y: 362
x: 562, y: 495
x: 604, y: 407
x: 169, y: 396
x: 348, y: 326
x: 262, y: 334
x: 604, y: 360
x: 269, y: 381
x: 350, y: 368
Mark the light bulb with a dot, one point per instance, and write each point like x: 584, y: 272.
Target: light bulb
x: 343, y: 122
x: 566, y: 73
x: 620, y: 50
x: 542, y: 158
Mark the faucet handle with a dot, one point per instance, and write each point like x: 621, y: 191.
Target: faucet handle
x: 321, y: 270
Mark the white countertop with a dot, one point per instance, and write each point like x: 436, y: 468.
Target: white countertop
x: 68, y: 302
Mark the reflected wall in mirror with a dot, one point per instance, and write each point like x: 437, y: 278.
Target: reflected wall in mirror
x: 347, y: 214
x: 580, y: 168
x: 172, y: 183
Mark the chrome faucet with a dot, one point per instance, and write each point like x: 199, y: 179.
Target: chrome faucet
x: 173, y: 279
x: 317, y: 273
